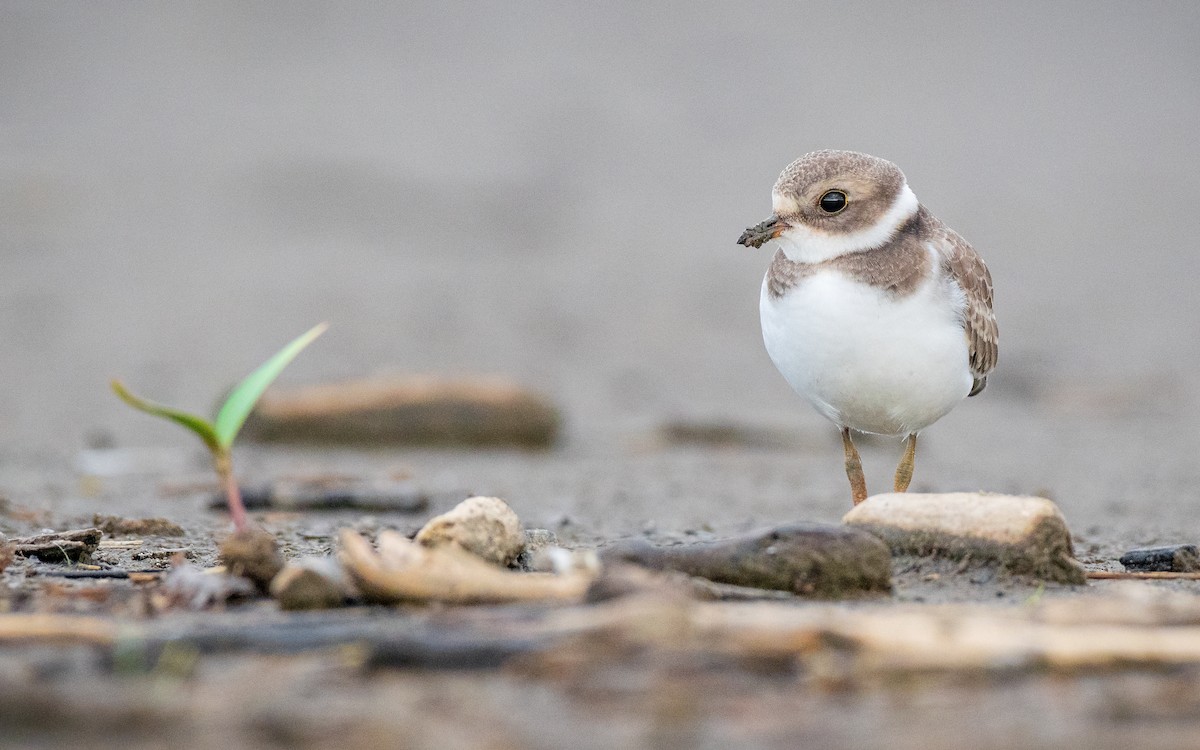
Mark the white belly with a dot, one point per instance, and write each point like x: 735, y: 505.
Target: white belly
x: 866, y: 359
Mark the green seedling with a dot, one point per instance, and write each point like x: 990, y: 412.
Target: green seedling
x: 218, y: 434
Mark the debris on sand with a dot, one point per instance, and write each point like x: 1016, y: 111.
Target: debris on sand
x: 330, y: 493
x: 818, y: 560
x: 405, y: 571
x: 118, y: 526
x: 1023, y: 535
x: 485, y: 526
x: 74, y: 545
x: 407, y: 410
x: 1178, y: 558
x: 252, y: 553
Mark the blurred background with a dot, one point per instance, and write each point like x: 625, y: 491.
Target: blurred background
x: 552, y: 192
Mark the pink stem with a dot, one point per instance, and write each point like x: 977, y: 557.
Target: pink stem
x: 233, y: 495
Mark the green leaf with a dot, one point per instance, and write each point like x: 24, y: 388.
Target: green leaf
x: 242, y: 399
x: 198, y: 425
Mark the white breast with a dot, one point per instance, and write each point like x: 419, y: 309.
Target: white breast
x: 865, y: 358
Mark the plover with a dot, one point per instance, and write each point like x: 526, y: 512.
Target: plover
x: 873, y: 309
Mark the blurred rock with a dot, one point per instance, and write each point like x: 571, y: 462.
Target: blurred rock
x: 1179, y: 558
x: 718, y: 433
x: 1025, y: 535
x: 60, y: 546
x: 118, y: 526
x: 332, y: 493
x: 254, y: 554
x: 407, y: 410
x: 485, y: 526
x: 818, y: 560
x: 312, y: 583
x: 404, y: 571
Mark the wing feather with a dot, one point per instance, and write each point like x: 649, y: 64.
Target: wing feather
x: 967, y: 269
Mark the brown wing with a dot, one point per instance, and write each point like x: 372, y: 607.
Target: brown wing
x: 967, y: 269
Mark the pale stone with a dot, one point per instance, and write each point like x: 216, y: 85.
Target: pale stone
x: 485, y: 526
x: 312, y: 583
x: 1023, y: 534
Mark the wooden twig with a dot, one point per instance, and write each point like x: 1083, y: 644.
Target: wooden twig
x: 1130, y: 575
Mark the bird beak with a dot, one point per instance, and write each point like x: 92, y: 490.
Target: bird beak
x: 756, y: 235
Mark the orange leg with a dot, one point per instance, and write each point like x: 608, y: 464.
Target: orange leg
x: 854, y: 470
x: 904, y: 471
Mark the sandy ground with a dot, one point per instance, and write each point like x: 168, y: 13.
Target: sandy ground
x: 553, y: 193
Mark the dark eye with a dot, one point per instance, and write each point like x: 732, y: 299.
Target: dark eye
x: 833, y: 201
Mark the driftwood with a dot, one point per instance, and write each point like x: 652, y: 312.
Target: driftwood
x: 333, y: 494
x: 60, y: 546
x: 404, y: 571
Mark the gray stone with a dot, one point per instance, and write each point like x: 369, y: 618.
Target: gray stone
x: 407, y: 410
x: 818, y: 560
x: 1020, y: 534
x: 1178, y: 558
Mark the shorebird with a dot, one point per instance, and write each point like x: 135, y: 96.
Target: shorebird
x: 872, y: 309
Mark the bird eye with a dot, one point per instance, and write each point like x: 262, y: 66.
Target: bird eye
x: 833, y: 201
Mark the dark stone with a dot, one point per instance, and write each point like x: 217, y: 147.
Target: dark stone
x: 1025, y: 536
x: 536, y: 540
x: 1178, y: 558
x: 817, y: 560
x: 1044, y: 554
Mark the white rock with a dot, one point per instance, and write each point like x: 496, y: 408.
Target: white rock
x: 312, y: 583
x: 1024, y: 534
x: 485, y: 526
